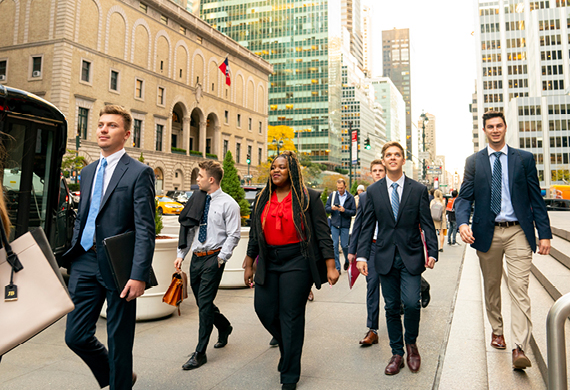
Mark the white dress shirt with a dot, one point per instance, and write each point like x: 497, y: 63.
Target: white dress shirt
x: 223, y: 228
x: 112, y: 162
x: 507, y: 212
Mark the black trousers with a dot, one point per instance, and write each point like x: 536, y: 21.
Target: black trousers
x: 280, y: 305
x: 205, y: 277
x: 88, y: 292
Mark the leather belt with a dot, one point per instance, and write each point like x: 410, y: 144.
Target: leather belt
x: 93, y: 248
x: 207, y: 253
x: 507, y: 223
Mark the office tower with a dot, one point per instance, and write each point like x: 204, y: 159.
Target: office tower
x: 430, y: 137
x: 351, y: 19
x: 392, y: 102
x: 396, y: 50
x: 474, y: 112
x: 523, y: 70
x: 303, y: 42
x: 367, y: 32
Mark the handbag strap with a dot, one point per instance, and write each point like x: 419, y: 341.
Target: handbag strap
x: 10, y: 255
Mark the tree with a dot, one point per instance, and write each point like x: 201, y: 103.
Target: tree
x: 141, y: 158
x: 73, y: 162
x: 284, y: 133
x: 230, y: 184
x: 354, y: 187
x: 325, y: 196
x: 157, y: 219
x: 263, y: 173
x: 311, y: 171
x: 329, y: 181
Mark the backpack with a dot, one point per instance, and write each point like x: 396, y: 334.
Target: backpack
x: 436, y: 211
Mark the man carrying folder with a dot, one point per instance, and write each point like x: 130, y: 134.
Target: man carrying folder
x: 117, y: 196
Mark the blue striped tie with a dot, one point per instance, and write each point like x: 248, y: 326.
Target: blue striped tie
x: 89, y: 229
x: 395, y: 200
x: 496, y: 184
x: 204, y: 222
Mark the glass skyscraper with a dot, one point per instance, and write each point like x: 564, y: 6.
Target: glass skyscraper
x: 303, y: 41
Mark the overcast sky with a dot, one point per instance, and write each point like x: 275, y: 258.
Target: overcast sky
x: 443, y: 66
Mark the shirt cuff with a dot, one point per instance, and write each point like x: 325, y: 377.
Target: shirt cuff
x: 462, y: 225
x: 362, y: 259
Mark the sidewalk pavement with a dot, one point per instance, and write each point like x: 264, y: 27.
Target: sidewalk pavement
x: 332, y: 357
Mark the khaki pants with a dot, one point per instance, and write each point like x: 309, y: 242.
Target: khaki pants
x: 511, y: 242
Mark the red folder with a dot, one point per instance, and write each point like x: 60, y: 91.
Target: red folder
x: 353, y: 273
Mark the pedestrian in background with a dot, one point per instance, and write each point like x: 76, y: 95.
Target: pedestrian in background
x: 213, y: 242
x: 341, y: 206
x: 437, y: 209
x: 450, y: 213
x: 289, y: 233
x: 503, y: 183
x: 359, y: 190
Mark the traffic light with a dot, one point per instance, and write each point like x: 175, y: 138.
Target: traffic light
x: 248, y: 159
x: 77, y: 142
x: 367, y: 143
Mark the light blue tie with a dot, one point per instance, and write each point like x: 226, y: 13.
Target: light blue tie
x: 89, y: 230
x: 496, y: 184
x: 395, y: 200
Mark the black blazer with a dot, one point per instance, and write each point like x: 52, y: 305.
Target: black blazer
x: 127, y: 205
x: 320, y: 242
x: 403, y: 233
x: 524, y: 188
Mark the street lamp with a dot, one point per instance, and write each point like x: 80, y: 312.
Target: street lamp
x: 279, y: 144
x: 425, y: 120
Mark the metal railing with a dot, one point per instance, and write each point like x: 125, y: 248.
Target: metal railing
x: 556, y: 343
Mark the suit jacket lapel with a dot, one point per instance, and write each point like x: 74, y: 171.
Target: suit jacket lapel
x: 484, y: 157
x: 384, y: 196
x: 511, y: 161
x: 405, y: 196
x: 120, y: 170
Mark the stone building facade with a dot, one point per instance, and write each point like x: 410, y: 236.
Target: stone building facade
x: 152, y: 57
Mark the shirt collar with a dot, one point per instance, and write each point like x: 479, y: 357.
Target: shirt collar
x: 342, y: 196
x: 504, y: 150
x: 216, y: 193
x: 400, y: 181
x: 115, y: 157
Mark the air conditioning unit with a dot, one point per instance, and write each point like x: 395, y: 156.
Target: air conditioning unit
x: 36, y: 73
x: 2, y: 77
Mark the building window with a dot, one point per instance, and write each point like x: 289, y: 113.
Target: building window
x: 208, y: 145
x: 173, y: 140
x: 86, y: 71
x: 249, y: 124
x: 260, y: 128
x: 159, y: 129
x: 191, y: 143
x: 259, y: 155
x: 199, y: 40
x: 139, y: 89
x: 238, y: 120
x: 226, y: 117
x: 143, y: 7
x: 36, y: 66
x: 249, y: 150
x: 137, y: 126
x: 160, y: 100
x: 3, y: 66
x: 226, y: 146
x: 82, y: 117
x: 238, y: 152
x: 114, y: 82
x: 182, y: 30
x: 163, y: 19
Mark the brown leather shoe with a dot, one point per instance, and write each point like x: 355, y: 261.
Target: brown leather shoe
x: 370, y: 338
x: 395, y: 365
x: 520, y: 361
x: 498, y: 341
x: 413, y: 357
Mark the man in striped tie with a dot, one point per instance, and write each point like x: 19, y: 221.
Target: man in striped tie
x: 503, y: 183
x: 400, y: 206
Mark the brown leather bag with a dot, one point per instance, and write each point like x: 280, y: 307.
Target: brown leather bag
x: 177, y: 291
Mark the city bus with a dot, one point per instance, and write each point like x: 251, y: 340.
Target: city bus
x: 33, y: 135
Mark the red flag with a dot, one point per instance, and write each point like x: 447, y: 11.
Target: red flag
x: 225, y: 68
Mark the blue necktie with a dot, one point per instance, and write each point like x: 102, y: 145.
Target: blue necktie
x: 89, y: 230
x: 395, y: 200
x: 204, y: 221
x: 496, y: 184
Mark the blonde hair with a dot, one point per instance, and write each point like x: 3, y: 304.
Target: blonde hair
x: 438, y: 195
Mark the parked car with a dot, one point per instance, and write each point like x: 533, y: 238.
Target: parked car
x: 168, y: 205
x: 251, y: 192
x: 557, y: 204
x: 178, y: 195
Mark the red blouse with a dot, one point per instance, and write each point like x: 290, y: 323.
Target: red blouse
x: 279, y: 228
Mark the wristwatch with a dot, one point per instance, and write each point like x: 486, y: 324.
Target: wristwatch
x: 221, y: 261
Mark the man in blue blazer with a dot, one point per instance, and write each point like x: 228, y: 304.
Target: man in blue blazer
x: 342, y: 207
x: 117, y: 196
x: 503, y: 183
x: 400, y: 208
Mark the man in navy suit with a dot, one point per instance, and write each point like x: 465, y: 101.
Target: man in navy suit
x: 117, y: 196
x: 399, y: 207
x: 503, y: 183
x: 342, y: 207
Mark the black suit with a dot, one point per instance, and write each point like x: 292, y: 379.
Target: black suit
x: 127, y: 205
x: 283, y: 280
x: 399, y: 254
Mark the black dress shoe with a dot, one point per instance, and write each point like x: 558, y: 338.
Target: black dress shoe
x: 274, y: 342
x: 289, y: 386
x: 223, y: 337
x: 134, y: 378
x: 346, y: 264
x: 425, y: 297
x: 195, y: 361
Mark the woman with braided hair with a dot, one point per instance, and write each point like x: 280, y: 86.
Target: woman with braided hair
x: 290, y: 234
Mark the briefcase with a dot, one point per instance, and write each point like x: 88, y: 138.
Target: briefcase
x: 35, y: 295
x: 177, y: 291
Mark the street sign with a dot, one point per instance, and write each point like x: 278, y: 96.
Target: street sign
x: 248, y: 176
x: 424, y: 155
x: 434, y: 167
x: 434, y: 171
x: 354, y: 147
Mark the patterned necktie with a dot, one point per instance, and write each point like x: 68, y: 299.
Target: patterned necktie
x: 89, y: 230
x: 395, y: 200
x: 204, y: 221
x: 496, y: 184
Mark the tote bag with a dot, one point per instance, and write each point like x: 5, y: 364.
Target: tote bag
x: 39, y: 297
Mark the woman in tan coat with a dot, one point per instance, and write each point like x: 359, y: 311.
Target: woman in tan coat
x: 440, y: 225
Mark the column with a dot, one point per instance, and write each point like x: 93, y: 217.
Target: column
x: 202, y: 140
x: 186, y: 133
x: 217, y: 144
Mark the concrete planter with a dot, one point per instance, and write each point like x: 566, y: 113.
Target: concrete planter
x: 150, y: 305
x: 233, y: 273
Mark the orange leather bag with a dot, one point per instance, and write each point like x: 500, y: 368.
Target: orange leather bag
x: 177, y: 291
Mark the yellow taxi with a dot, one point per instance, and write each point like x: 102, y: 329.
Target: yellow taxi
x: 168, y: 205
